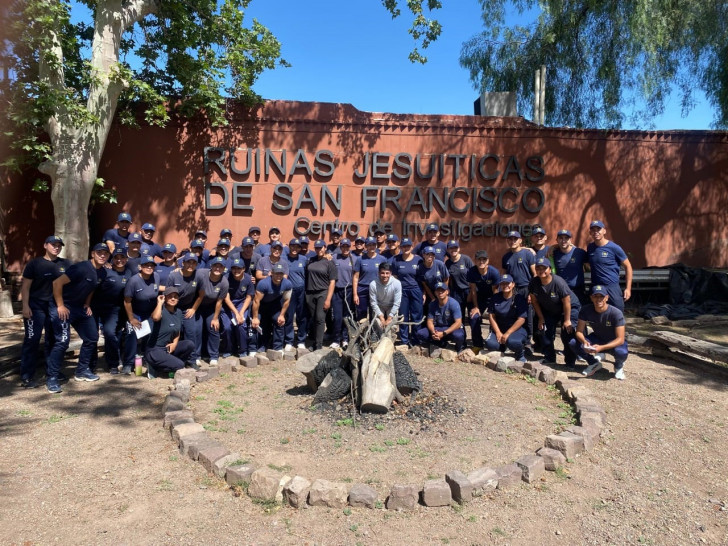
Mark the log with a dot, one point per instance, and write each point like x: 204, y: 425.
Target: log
x: 377, y: 373
x: 307, y: 364
x: 692, y: 345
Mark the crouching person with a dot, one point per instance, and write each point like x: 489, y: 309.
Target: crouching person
x: 166, y: 353
x: 272, y: 298
x: 444, y: 320
x: 507, y: 313
x: 607, y: 325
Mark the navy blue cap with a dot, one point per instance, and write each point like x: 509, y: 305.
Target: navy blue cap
x: 190, y: 256
x: 453, y: 244
x: 134, y: 238
x: 406, y: 242
x: 201, y: 232
x: 543, y: 262
x: 505, y: 278
x: 564, y: 232
x: 216, y: 260
x: 248, y: 241
x: 147, y: 260
x: 516, y: 234
x: 294, y: 242
x: 169, y: 290
x: 360, y: 239
x: 237, y: 262
x: 223, y: 242
x: 274, y: 228
x: 539, y: 231
x: 304, y: 240
x: 596, y: 223
x: 370, y: 241
x: 277, y: 268
x: 100, y: 246
x: 169, y: 247
x: 345, y: 242
x: 320, y: 243
x: 379, y: 229
x: 123, y: 217
x: 276, y: 244
x: 429, y: 250
x: 599, y: 289
x: 252, y: 229
x: 392, y: 238
x: 197, y: 243
x: 148, y: 227
x: 432, y: 227
x: 441, y: 286
x: 225, y: 232
x: 336, y: 231
x: 118, y: 251
x: 54, y: 239
x: 481, y: 254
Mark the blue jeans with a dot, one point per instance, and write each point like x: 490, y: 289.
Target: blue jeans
x: 234, y: 339
x: 411, y: 309
x: 297, y: 307
x: 342, y: 305
x: 457, y: 337
x: 87, y: 330
x: 115, y: 332
x: 34, y: 326
x: 210, y: 336
x: 620, y: 353
x: 163, y: 362
x: 273, y: 335
x: 362, y: 310
x: 549, y: 334
x: 192, y: 330
x: 514, y: 343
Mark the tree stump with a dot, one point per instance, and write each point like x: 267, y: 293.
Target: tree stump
x: 377, y: 374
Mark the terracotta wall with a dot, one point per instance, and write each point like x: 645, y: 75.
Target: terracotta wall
x: 662, y: 195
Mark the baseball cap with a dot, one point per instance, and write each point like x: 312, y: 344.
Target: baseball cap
x: 406, y: 242
x: 481, y: 254
x: 100, y: 246
x: 168, y: 291
x: 134, y: 238
x: 277, y: 268
x: 599, y: 289
x: 223, y: 242
x: 197, y: 243
x: 216, y: 260
x: 294, y: 242
x: 54, y: 239
x: 564, y: 232
x: 248, y: 241
x: 304, y: 240
x: 169, y: 247
x: 148, y: 227
x: 543, y: 262
x: 118, y: 251
x: 123, y: 217
x: 253, y: 229
x: 225, y: 232
x: 190, y: 256
x: 441, y: 286
x: 428, y: 250
x: 336, y: 232
x: 370, y: 241
x: 505, y: 278
x: 360, y: 239
x: 274, y: 228
x: 146, y: 260
x: 515, y: 234
x: 320, y: 243
x: 237, y: 262
x: 596, y: 223
x: 432, y: 227
x: 539, y: 231
x: 276, y: 244
x: 392, y: 238
x: 345, y: 242
x: 379, y: 229
x: 453, y: 244
x: 201, y: 232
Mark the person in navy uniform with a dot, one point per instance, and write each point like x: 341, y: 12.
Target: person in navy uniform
x: 211, y: 294
x: 272, y: 298
x: 432, y: 272
x: 380, y: 236
x: 187, y: 283
x: 140, y: 299
x: 347, y: 284
x: 483, y: 281
x: 608, y: 334
x: 538, y: 242
x: 605, y: 259
x: 507, y: 312
x: 274, y: 234
x: 553, y: 303
x: 519, y: 262
x: 393, y: 247
x: 254, y: 234
x: 37, y: 295
x: 432, y: 234
x: 168, y: 263
x: 117, y: 237
x: 149, y: 247
x: 297, y: 307
x: 222, y: 250
x: 264, y: 265
x: 236, y: 335
x: 166, y: 352
x: 444, y: 321
x: 107, y: 305
x: 72, y: 293
x: 458, y: 265
x: 406, y: 267
x: 333, y: 247
x: 359, y: 246
x: 569, y: 262
x: 368, y: 272
x: 249, y: 256
x: 134, y: 252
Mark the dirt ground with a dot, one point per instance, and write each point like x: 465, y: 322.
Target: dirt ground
x: 94, y: 465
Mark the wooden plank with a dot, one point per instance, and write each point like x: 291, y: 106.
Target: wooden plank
x: 691, y: 345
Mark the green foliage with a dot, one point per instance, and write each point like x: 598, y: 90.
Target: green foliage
x: 423, y: 30
x: 607, y: 63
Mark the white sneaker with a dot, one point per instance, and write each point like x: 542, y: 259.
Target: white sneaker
x: 213, y: 362
x: 593, y: 368
x: 335, y: 345
x: 580, y: 359
x: 198, y: 361
x: 288, y: 347
x: 619, y: 374
x: 546, y: 361
x: 301, y: 345
x: 345, y: 345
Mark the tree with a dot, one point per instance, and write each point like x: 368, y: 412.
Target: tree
x: 607, y: 62
x: 133, y: 60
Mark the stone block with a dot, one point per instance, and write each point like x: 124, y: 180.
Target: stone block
x: 194, y: 450
x: 219, y: 467
x: 516, y: 367
x: 552, y: 458
x: 481, y: 360
x: 213, y: 371
x: 587, y: 404
x: 567, y: 443
x: 185, y: 429
x: 483, y: 480
x: 182, y: 395
x: 448, y: 356
x: 590, y: 434
x: 503, y: 362
x: 239, y: 474
x: 201, y: 376
x: 576, y: 392
x: 274, y: 355
x: 225, y: 366
x: 529, y: 366
x: 249, y: 362
x: 296, y: 491
x: 301, y: 352
x: 547, y: 375
x: 593, y: 418
x: 561, y: 376
x: 660, y: 320
x: 493, y: 356
x: 435, y: 351
x: 172, y: 403
x: 535, y: 370
x: 532, y: 467
x: 209, y: 455
x: 404, y: 349
x: 177, y: 418
x: 326, y: 493
x: 563, y: 385
x: 466, y: 356
x: 362, y: 496
x: 460, y: 486
x: 267, y: 485
x: 289, y: 356
x: 508, y: 475
x: 403, y: 497
x: 436, y: 493
x: 198, y: 438
x: 262, y: 359
x: 185, y: 373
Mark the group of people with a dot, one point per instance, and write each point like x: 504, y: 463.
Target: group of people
x: 176, y: 308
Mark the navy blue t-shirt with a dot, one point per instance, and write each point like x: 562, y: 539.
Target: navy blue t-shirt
x: 549, y: 296
x: 163, y: 271
x: 42, y: 273
x: 111, y: 290
x: 459, y: 272
x: 186, y: 286
x: 143, y: 293
x: 214, y: 290
x: 165, y: 330
x: 604, y: 262
x: 265, y: 265
x: 602, y: 324
x: 407, y: 271
x: 116, y: 238
x: 345, y: 269
x: 273, y: 295
x: 240, y: 289
x: 483, y: 284
x: 439, y: 246
x: 151, y: 249
x: 518, y: 265
x: 434, y: 274
x: 570, y: 265
x: 446, y: 315
x: 507, y: 311
x: 369, y: 269
x: 84, y: 280
x: 297, y: 270
x: 543, y: 252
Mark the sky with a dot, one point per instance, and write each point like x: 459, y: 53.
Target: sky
x: 352, y: 51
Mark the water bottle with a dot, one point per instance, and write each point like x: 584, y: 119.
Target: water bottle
x: 138, y: 365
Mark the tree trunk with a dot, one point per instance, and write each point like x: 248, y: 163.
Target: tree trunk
x: 377, y: 387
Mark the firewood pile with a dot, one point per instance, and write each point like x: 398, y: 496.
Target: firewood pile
x: 369, y: 371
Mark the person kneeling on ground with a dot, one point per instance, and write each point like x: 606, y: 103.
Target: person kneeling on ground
x: 607, y: 324
x: 165, y: 352
x: 444, y: 320
x: 507, y: 313
x: 385, y: 296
